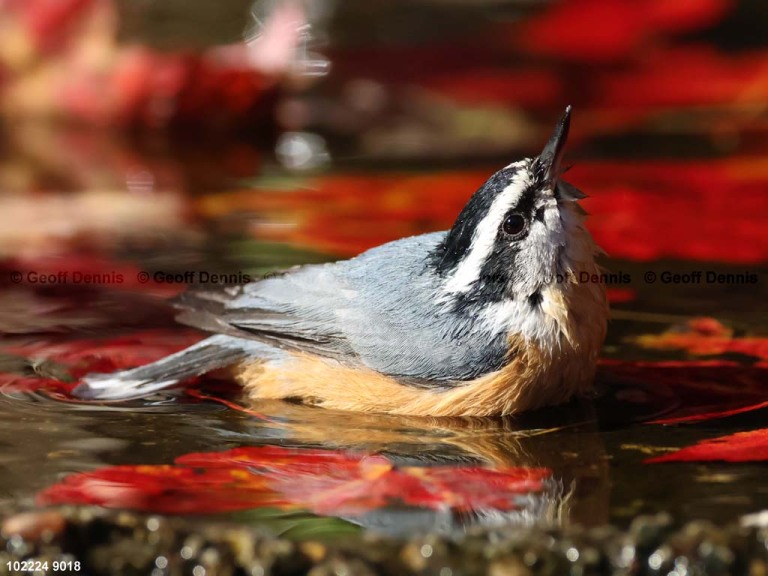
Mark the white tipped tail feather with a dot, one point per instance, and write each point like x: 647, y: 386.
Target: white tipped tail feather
x: 210, y: 354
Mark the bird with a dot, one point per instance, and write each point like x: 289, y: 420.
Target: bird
x: 496, y: 316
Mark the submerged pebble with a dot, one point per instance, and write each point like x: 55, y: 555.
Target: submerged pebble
x: 122, y: 543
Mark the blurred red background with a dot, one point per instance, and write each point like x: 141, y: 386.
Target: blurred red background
x: 135, y: 120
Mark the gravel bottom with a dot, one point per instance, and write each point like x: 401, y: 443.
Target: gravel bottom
x: 95, y: 542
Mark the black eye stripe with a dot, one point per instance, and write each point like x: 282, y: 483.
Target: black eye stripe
x: 458, y: 241
x: 526, y: 203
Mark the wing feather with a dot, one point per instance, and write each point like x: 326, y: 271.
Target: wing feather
x: 270, y: 311
x: 379, y: 310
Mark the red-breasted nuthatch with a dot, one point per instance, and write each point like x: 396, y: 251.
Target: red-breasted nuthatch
x: 488, y: 318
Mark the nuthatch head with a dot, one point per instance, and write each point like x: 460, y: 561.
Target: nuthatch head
x: 488, y: 318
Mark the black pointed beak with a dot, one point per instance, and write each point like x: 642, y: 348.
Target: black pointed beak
x: 551, y: 157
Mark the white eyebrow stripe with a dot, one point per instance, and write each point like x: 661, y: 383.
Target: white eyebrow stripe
x: 484, y: 235
x: 518, y: 164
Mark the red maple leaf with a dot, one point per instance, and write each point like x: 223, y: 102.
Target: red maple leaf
x: 751, y: 446
x: 325, y: 482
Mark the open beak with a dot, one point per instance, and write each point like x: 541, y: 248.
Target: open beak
x: 550, y: 158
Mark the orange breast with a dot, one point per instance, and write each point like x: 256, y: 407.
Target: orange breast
x: 331, y: 384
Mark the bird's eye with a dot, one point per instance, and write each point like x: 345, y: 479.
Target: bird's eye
x: 514, y: 224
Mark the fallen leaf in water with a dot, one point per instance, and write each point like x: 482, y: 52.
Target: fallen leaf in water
x: 706, y: 337
x: 718, y: 413
x: 726, y: 388
x: 73, y: 359
x: 749, y: 446
x: 693, y: 391
x: 325, y: 482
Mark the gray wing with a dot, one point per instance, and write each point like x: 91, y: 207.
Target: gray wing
x: 378, y: 309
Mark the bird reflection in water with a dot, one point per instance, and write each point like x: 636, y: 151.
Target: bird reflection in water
x: 574, y: 488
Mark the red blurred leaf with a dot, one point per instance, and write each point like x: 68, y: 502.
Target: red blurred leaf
x: 570, y: 30
x: 688, y: 77
x: 686, y: 15
x: 695, y: 391
x: 620, y: 295
x: 49, y: 22
x: 401, y: 203
x: 706, y: 337
x: 325, y: 482
x: 163, y: 489
x: 80, y: 357
x: 701, y: 417
x: 687, y: 208
x: 749, y: 446
x: 608, y: 30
